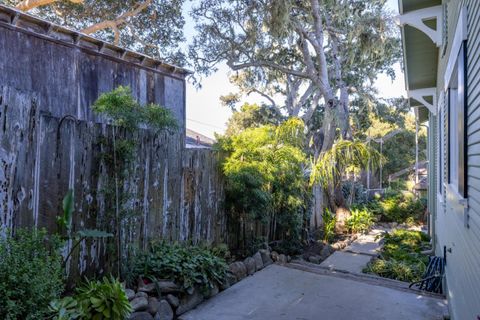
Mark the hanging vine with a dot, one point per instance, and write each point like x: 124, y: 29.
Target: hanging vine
x: 127, y: 116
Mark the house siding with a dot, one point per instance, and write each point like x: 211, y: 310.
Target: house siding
x: 463, y: 262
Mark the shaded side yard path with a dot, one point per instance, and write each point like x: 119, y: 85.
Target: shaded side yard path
x: 334, y: 290
x: 280, y: 292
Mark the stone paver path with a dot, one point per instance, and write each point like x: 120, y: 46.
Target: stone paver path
x: 346, y: 261
x: 357, y: 255
x: 284, y: 293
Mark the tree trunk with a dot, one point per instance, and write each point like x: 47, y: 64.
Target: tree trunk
x: 317, y: 207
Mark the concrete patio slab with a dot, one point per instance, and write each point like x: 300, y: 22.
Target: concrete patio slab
x: 346, y: 261
x: 284, y: 293
x: 368, y: 243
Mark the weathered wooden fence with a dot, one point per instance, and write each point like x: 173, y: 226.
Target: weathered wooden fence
x: 51, y: 141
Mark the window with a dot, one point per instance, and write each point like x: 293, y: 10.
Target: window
x: 457, y: 98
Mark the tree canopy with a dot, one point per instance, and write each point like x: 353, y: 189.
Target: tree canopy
x: 154, y: 27
x: 314, y: 54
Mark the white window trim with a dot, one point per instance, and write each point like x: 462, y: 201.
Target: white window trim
x: 461, y: 34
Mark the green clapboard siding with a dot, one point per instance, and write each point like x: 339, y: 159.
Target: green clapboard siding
x: 463, y: 263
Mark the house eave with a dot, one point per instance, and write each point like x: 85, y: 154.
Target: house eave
x: 420, y: 49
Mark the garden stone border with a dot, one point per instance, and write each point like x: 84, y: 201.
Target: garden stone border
x: 172, y: 301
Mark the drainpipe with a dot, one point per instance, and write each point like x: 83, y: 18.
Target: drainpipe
x: 416, y: 145
x: 381, y: 164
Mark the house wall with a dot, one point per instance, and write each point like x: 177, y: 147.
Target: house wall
x: 51, y: 141
x: 463, y: 261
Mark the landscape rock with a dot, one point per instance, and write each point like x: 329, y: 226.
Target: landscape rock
x: 282, y: 259
x: 267, y: 260
x: 315, y: 259
x: 130, y: 294
x: 213, y: 292
x: 326, y: 251
x: 173, y: 300
x: 251, y: 265
x: 148, y: 288
x: 141, y: 316
x: 189, y: 301
x: 229, y: 281
x: 167, y: 286
x: 165, y: 311
x: 139, y: 304
x: 274, y: 255
x: 258, y: 261
x: 141, y: 294
x: 238, y: 269
x: 336, y: 246
x: 153, y: 305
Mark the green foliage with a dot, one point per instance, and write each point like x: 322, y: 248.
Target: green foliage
x: 188, y: 266
x: 96, y: 300
x: 291, y: 247
x: 221, y: 250
x: 125, y: 111
x: 30, y: 274
x: 360, y: 220
x: 66, y: 308
x: 104, y: 299
x: 264, y: 174
x: 65, y: 222
x: 401, y: 257
x: 344, y: 156
x: 119, y: 153
x: 329, y: 221
x: 157, y: 30
x: 400, y: 208
x: 251, y: 116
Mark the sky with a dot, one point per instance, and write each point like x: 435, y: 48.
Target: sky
x: 206, y: 115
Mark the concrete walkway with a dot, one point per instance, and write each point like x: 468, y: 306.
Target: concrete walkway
x: 279, y: 292
x: 357, y: 255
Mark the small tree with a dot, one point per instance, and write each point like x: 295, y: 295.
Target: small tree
x: 329, y: 170
x: 265, y: 179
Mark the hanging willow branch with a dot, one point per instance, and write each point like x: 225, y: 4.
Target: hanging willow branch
x: 344, y: 155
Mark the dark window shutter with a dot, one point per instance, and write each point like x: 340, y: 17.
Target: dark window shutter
x: 447, y: 135
x: 462, y: 121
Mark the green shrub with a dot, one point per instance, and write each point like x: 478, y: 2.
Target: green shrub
x: 401, y: 257
x: 361, y: 220
x: 30, y: 274
x: 104, y: 299
x: 398, y: 207
x: 95, y: 300
x: 329, y: 221
x: 186, y: 265
x: 126, y: 112
x: 67, y: 308
x: 289, y: 247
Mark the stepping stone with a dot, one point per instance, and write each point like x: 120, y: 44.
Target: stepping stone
x: 367, y: 244
x: 346, y: 261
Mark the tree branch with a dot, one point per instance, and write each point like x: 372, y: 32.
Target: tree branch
x: 27, y: 5
x: 266, y: 96
x: 267, y: 64
x: 115, y: 24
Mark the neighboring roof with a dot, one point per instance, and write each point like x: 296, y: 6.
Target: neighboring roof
x: 194, y: 139
x: 420, y: 53
x: 12, y: 18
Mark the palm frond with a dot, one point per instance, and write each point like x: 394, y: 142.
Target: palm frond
x: 331, y: 165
